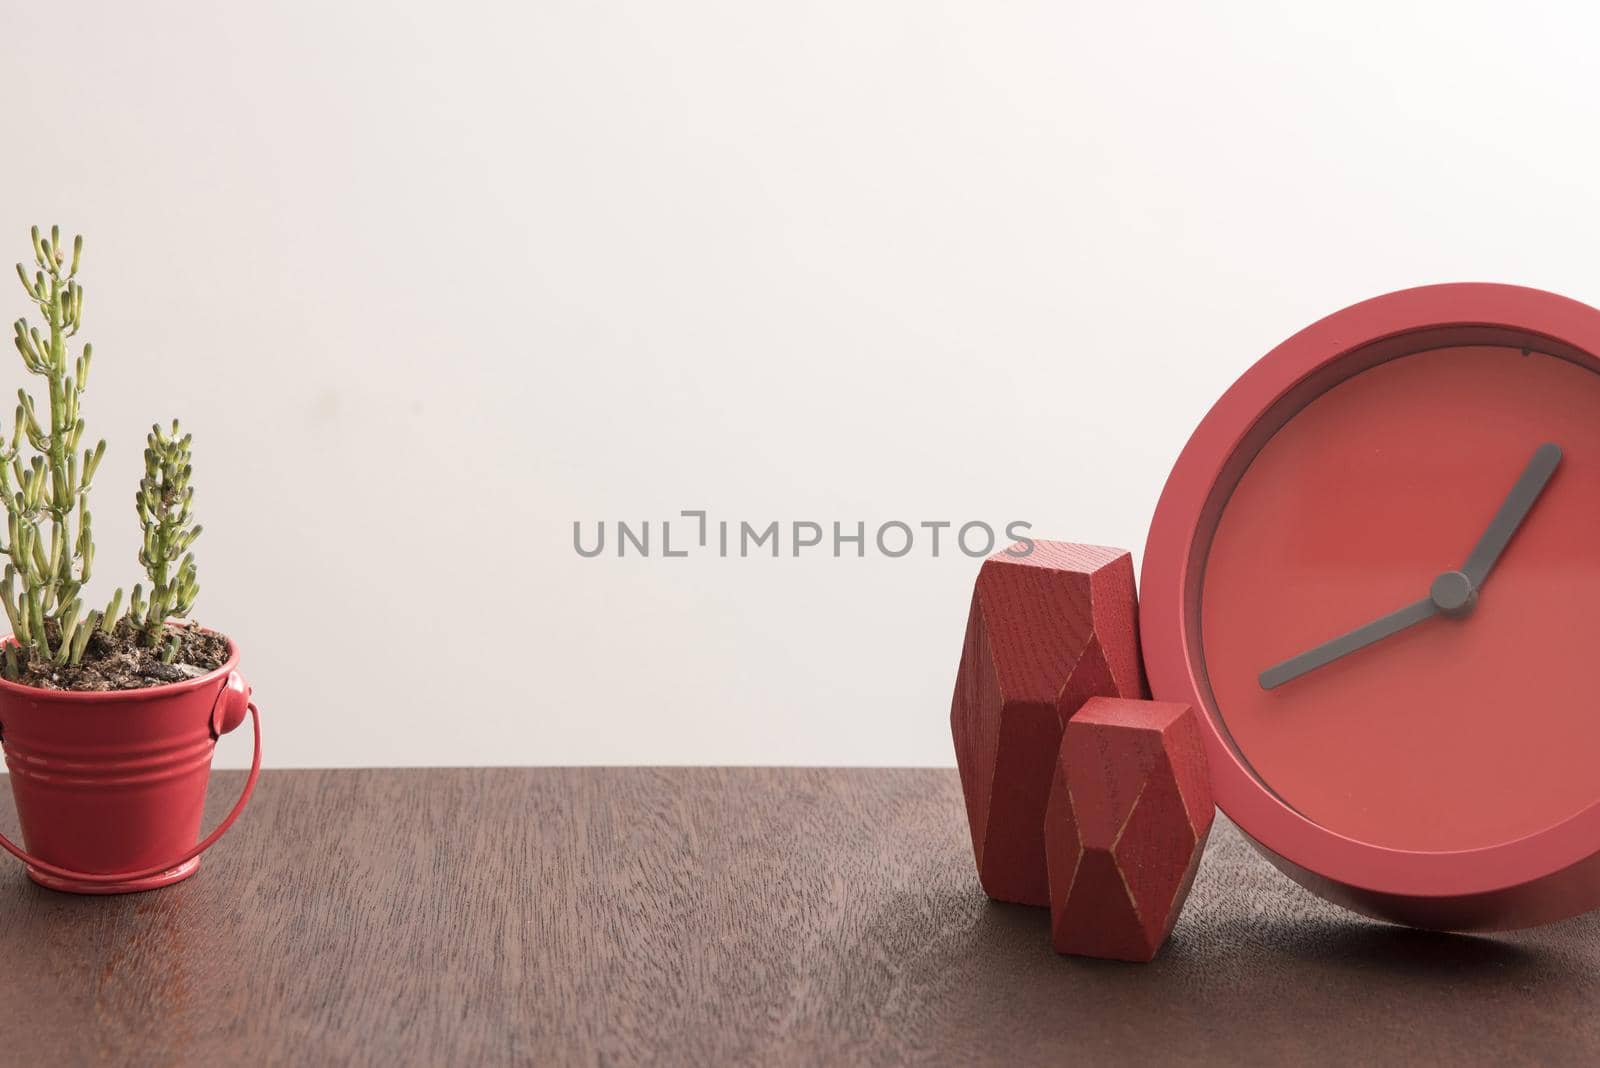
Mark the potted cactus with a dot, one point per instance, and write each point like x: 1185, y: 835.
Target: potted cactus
x: 108, y: 716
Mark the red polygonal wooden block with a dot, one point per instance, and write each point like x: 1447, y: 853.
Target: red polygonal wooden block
x: 1130, y: 808
x: 1046, y: 632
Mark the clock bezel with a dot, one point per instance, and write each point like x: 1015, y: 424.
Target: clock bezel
x: 1543, y: 876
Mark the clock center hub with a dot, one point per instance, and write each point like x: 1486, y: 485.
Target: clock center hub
x: 1453, y: 593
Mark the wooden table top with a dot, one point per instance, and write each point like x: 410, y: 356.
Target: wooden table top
x: 702, y: 916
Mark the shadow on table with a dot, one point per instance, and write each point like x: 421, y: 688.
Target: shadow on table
x: 1366, y: 944
x: 1321, y: 942
x: 1292, y: 985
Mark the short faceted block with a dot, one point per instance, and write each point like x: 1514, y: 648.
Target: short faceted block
x: 1046, y: 632
x: 1130, y: 808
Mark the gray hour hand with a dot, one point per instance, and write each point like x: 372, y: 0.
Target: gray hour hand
x: 1345, y: 644
x: 1518, y: 503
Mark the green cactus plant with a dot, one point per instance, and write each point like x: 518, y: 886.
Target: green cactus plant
x: 48, y: 559
x: 164, y: 500
x: 49, y: 556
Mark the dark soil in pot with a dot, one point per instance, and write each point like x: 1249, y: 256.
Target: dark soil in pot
x: 119, y: 662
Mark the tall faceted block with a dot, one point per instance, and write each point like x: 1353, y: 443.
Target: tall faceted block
x: 1046, y: 632
x: 1130, y: 808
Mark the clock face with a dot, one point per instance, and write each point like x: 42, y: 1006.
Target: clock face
x: 1375, y: 571
x: 1463, y: 729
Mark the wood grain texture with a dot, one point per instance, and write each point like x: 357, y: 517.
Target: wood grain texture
x: 703, y: 916
x: 1045, y: 632
x: 1130, y: 808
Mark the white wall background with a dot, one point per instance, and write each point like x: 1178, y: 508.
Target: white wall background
x: 431, y: 281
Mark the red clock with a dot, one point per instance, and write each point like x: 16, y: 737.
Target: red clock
x: 1375, y: 569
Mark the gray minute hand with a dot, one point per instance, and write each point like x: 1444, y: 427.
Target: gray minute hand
x: 1345, y: 644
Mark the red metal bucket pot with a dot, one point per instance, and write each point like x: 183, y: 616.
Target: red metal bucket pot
x: 110, y: 787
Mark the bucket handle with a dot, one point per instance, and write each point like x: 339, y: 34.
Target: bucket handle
x: 120, y: 877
